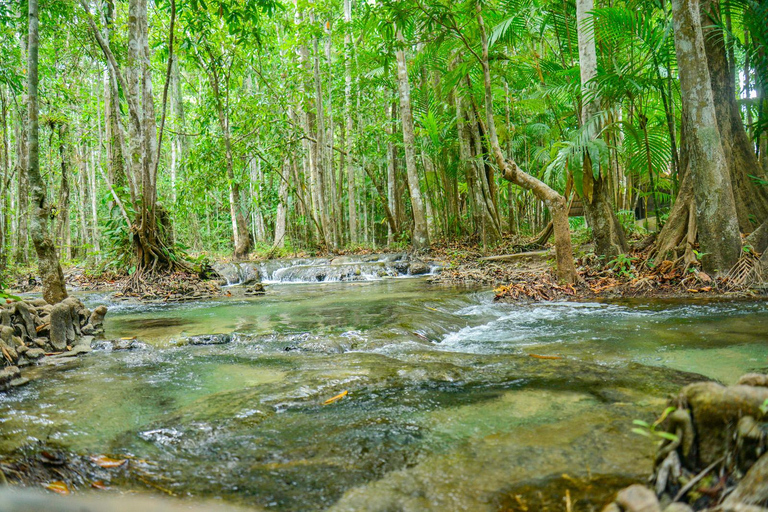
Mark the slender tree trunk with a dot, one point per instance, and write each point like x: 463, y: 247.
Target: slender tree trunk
x: 54, y: 287
x: 475, y: 159
x: 391, y: 173
x: 715, y: 207
x: 351, y: 189
x: 607, y: 232
x: 22, y: 207
x: 62, y: 228
x: 323, y: 189
x: 179, y: 142
x: 566, y: 270
x: 420, y: 239
x: 282, y: 207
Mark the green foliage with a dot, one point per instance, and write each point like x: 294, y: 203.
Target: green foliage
x: 623, y: 265
x: 652, y: 430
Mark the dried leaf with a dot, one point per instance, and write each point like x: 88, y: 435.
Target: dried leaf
x: 336, y: 398
x: 537, y: 356
x: 107, y: 462
x: 58, y: 487
x: 98, y: 484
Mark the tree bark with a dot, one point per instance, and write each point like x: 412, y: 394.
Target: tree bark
x: 751, y: 199
x: 22, y: 207
x: 716, y: 219
x: 282, y: 208
x: 566, y: 269
x: 420, y: 239
x: 391, y: 174
x: 63, y: 228
x: 607, y: 232
x: 54, y: 287
x: 351, y: 189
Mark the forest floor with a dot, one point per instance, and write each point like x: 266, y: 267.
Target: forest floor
x: 517, y: 268
x: 525, y: 272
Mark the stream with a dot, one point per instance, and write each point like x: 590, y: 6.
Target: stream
x: 446, y: 408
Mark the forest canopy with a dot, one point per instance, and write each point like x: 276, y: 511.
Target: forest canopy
x: 176, y: 127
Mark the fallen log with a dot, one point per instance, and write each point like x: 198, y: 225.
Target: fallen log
x: 515, y: 256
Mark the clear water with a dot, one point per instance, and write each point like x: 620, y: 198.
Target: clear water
x: 446, y: 408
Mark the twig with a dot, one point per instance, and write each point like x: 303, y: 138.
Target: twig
x: 687, y: 487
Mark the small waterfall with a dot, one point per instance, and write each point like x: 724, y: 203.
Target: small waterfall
x: 324, y: 270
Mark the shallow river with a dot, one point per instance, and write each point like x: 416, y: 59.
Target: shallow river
x: 446, y: 409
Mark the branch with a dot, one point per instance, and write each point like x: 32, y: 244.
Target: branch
x: 165, y: 87
x: 132, y: 107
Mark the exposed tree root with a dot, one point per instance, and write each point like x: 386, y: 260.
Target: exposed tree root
x: 713, y: 454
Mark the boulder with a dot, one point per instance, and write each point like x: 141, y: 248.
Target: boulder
x: 210, y: 339
x: 97, y: 316
x: 8, y: 374
x: 6, y: 333
x: 256, y: 289
x: 34, y: 353
x: 62, y: 330
x: 637, y: 498
x: 21, y: 381
x: 8, y: 352
x: 418, y: 267
x: 678, y: 507
x: 5, y: 317
x: 24, y: 314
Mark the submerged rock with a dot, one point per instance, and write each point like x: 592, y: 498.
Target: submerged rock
x: 209, y: 339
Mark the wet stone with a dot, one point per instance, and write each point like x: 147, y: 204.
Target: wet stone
x: 418, y: 268
x: 23, y: 311
x: 7, y: 375
x: 34, y: 353
x: 21, y: 381
x: 61, y: 323
x: 6, y: 333
x: 118, y: 345
x: 210, y: 339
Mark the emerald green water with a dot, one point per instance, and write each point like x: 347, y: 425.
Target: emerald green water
x: 445, y: 409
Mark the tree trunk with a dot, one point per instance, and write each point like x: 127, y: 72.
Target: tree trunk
x: 324, y: 196
x: 282, y: 208
x: 751, y: 199
x: 391, y: 173
x: 351, y: 189
x: 566, y: 270
x: 716, y: 219
x: 420, y: 239
x: 471, y: 157
x: 22, y: 207
x: 609, y: 237
x: 54, y: 287
x: 62, y: 228
x: 179, y: 142
x: 240, y: 235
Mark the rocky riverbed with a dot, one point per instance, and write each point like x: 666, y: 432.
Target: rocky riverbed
x: 33, y: 330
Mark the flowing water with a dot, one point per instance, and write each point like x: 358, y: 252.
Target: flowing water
x: 446, y: 409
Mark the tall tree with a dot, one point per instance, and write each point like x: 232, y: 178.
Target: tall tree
x: 54, y: 287
x: 420, y: 238
x: 718, y: 229
x: 607, y: 232
x: 566, y: 270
